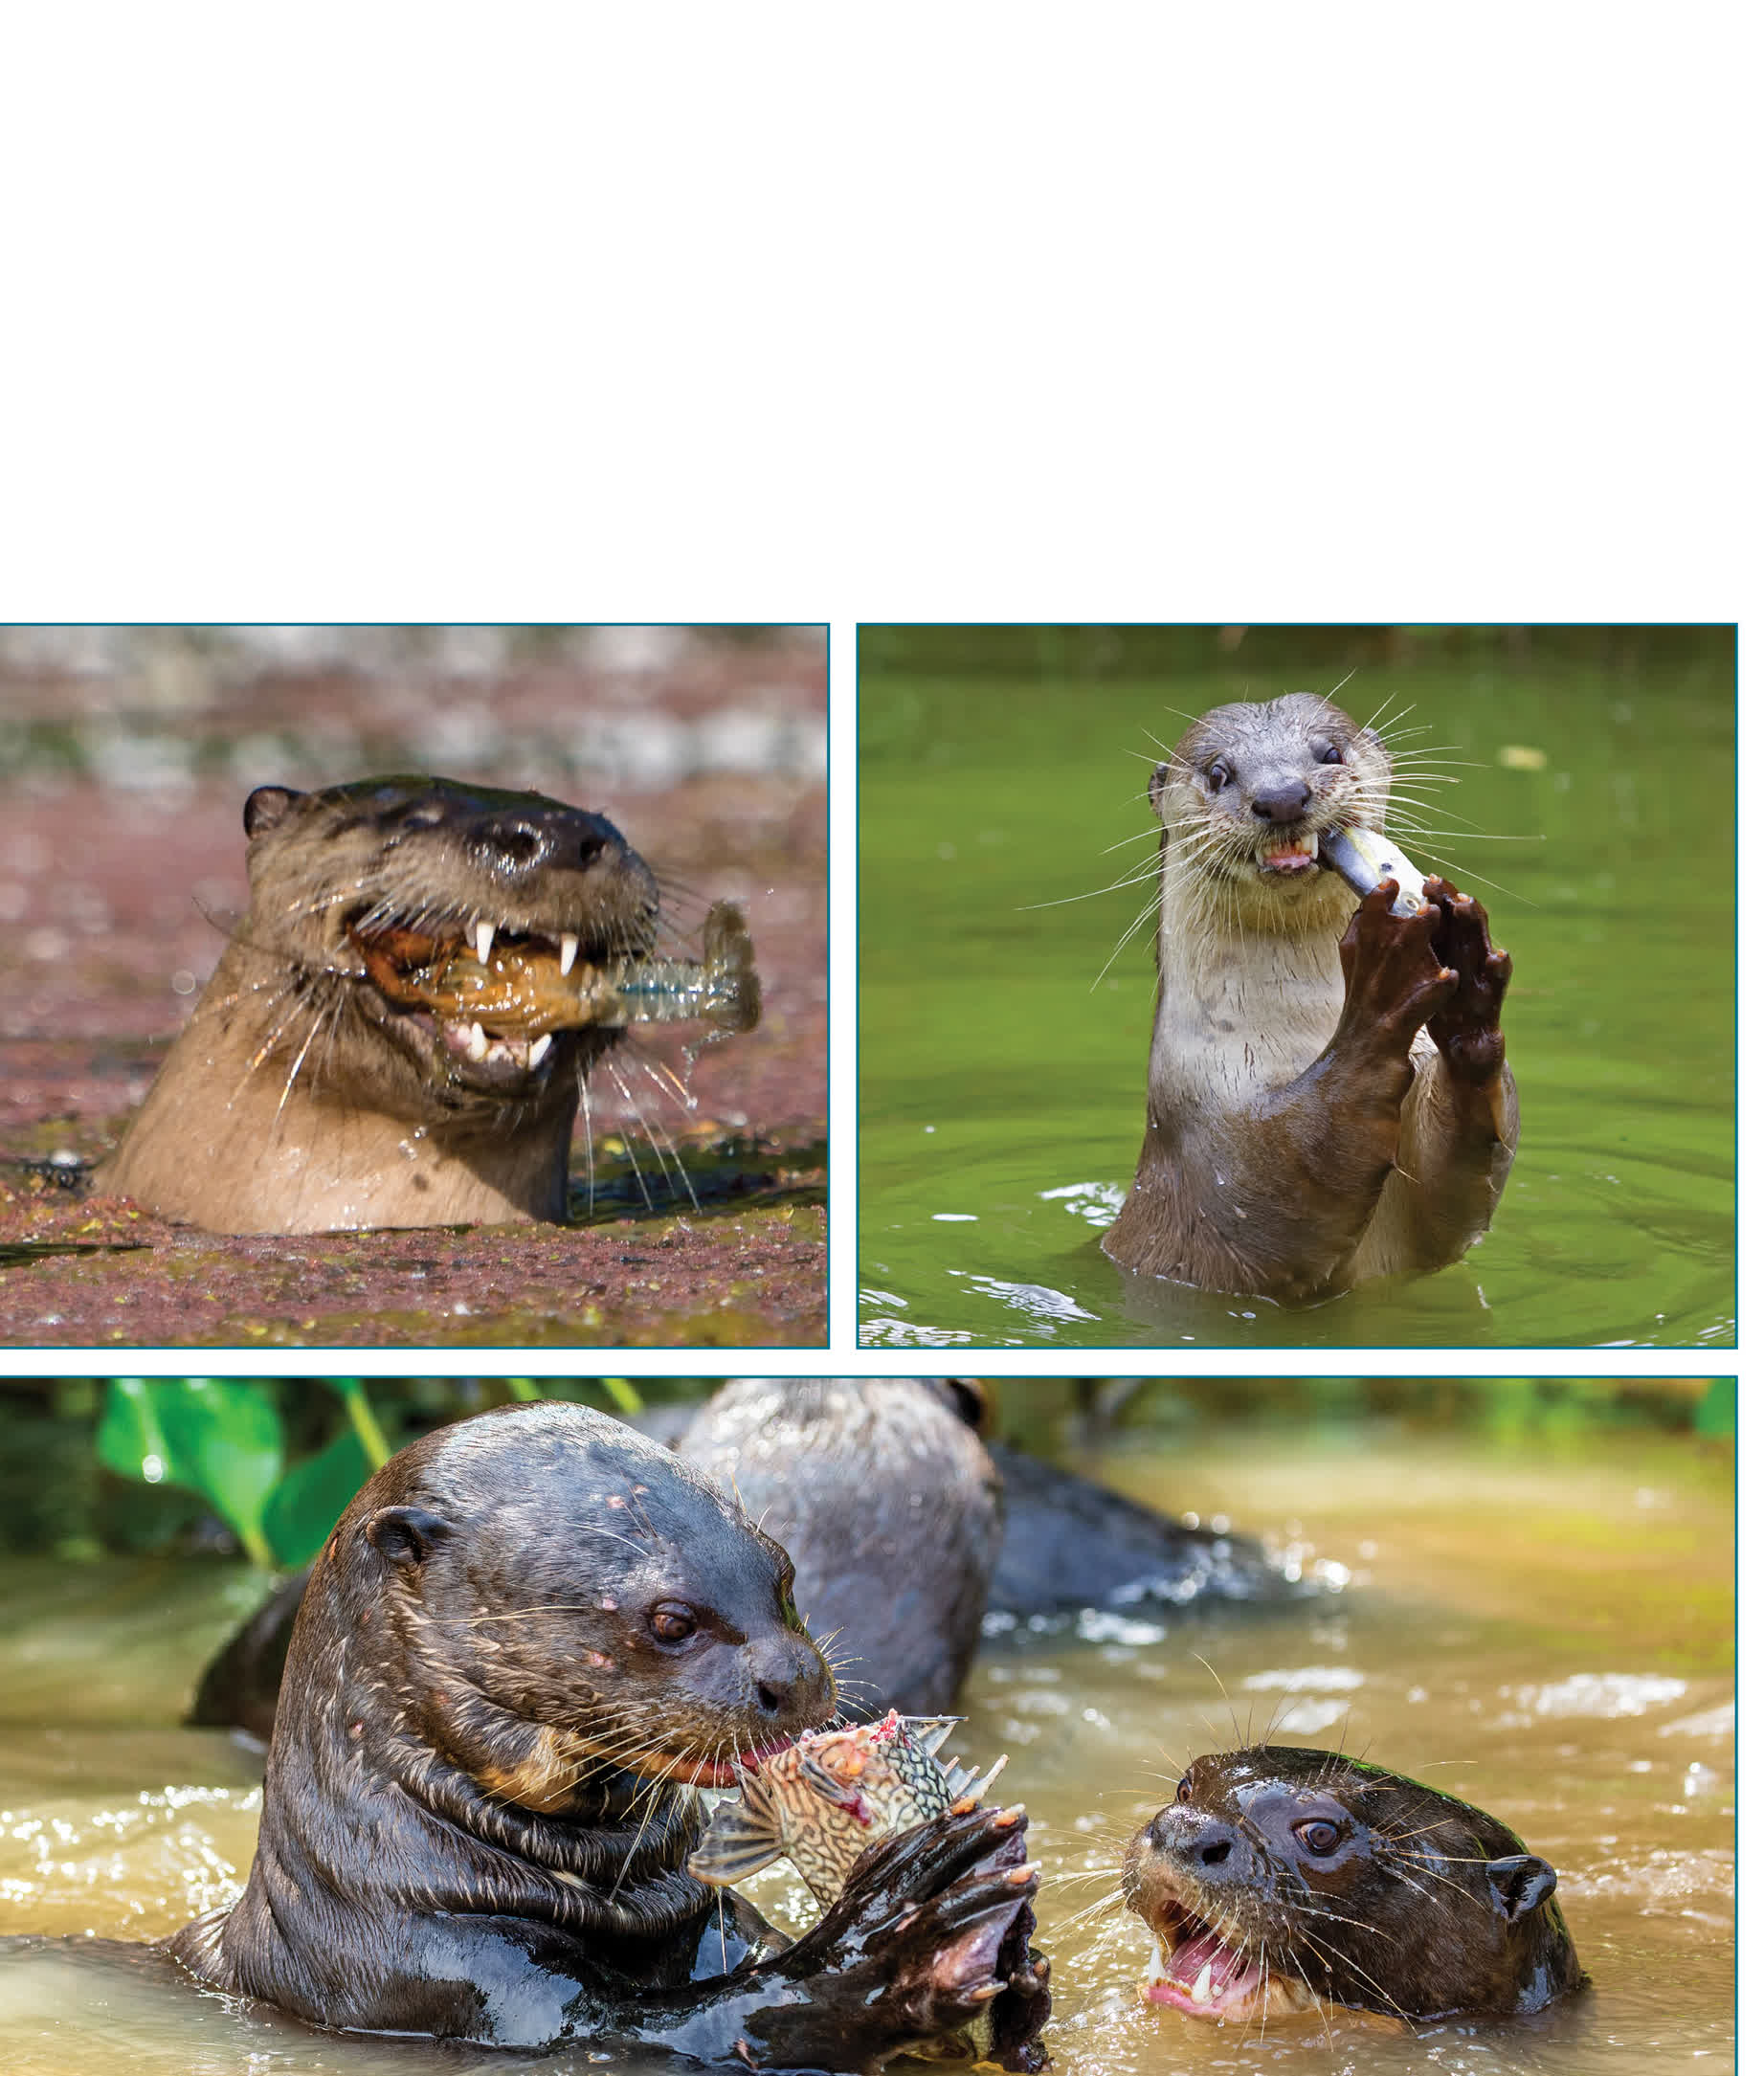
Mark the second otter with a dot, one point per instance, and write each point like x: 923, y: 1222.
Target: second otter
x: 1282, y: 1879
x: 1329, y: 1098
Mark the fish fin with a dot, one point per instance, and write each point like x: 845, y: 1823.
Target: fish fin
x: 930, y: 1730
x: 739, y: 1842
x: 968, y: 1781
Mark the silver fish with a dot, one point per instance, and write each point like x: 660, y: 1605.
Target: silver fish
x: 1363, y: 856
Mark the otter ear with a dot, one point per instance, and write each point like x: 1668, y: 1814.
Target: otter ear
x: 1520, y: 1884
x: 405, y: 1535
x: 267, y: 806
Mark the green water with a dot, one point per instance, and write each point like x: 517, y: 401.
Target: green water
x: 1003, y: 1053
x: 1542, y: 1626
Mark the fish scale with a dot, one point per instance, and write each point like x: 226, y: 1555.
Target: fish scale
x: 831, y: 1794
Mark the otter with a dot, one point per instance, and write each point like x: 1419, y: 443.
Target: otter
x: 1329, y: 1098
x: 318, y: 1088
x: 906, y: 1530
x: 530, y: 1640
x: 1282, y: 1879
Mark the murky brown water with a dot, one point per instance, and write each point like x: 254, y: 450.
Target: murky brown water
x: 1546, y: 1634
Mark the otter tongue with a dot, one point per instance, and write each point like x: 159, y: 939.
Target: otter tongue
x: 1202, y: 1974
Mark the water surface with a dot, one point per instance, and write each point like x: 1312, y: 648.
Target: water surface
x: 1543, y: 1628
x: 1004, y: 1050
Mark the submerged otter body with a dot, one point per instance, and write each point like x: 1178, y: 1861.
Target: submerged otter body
x: 1327, y: 1098
x: 314, y: 1089
x: 527, y: 1641
x: 1282, y: 1879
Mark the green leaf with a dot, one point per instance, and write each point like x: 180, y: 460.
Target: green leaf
x: 302, y: 1509
x: 218, y: 1436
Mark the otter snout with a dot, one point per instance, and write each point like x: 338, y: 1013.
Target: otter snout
x: 517, y: 842
x: 1203, y: 1847
x: 1283, y: 802
x: 792, y: 1688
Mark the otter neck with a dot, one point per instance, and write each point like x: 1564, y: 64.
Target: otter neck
x: 1249, y: 984
x: 610, y: 1859
x: 267, y: 1142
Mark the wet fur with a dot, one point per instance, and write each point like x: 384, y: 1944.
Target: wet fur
x: 296, y: 1101
x: 1428, y: 1906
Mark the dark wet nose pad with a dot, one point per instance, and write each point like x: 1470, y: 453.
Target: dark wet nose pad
x: 526, y: 842
x: 789, y: 1679
x: 1204, y: 1843
x: 1282, y: 803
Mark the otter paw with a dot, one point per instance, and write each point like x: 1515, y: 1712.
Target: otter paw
x: 920, y: 1941
x: 1393, y: 981
x: 1466, y: 1026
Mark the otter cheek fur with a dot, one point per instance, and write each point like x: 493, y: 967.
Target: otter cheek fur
x: 302, y: 1098
x: 1327, y: 1098
x: 1282, y: 1879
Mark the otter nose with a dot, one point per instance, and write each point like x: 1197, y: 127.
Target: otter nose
x: 515, y: 841
x: 792, y: 1689
x: 1282, y: 803
x: 1204, y: 1845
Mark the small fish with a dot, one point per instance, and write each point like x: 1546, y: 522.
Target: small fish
x: 1364, y: 856
x: 831, y: 1794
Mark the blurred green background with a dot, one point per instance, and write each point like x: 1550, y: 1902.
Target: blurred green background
x: 1003, y: 1037
x: 261, y: 1467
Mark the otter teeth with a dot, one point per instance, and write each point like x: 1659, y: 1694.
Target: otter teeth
x: 538, y: 1049
x: 567, y: 944
x: 1204, y: 1985
x: 483, y: 936
x: 478, y: 1046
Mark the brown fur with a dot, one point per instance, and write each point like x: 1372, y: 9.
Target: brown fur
x: 299, y: 1099
x: 1327, y: 1097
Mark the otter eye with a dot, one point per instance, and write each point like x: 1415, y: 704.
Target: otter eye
x: 1328, y: 753
x: 671, y: 1623
x: 1319, y: 1836
x: 1219, y: 776
x: 1185, y: 1789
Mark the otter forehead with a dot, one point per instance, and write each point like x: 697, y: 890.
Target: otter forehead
x: 434, y: 848
x: 555, y: 1491
x: 1269, y: 734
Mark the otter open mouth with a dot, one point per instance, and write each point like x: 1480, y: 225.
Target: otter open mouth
x: 490, y: 998
x: 1204, y: 1975
x: 1290, y: 856
x: 717, y: 1772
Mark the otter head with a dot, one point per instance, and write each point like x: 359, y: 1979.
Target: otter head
x: 570, y: 1615
x: 1245, y: 795
x: 1282, y: 1878
x: 365, y: 892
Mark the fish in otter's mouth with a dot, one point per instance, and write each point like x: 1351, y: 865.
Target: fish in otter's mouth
x: 492, y: 999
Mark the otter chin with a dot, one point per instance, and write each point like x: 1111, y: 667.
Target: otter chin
x: 1328, y: 1095
x: 324, y: 1081
x: 1283, y: 1880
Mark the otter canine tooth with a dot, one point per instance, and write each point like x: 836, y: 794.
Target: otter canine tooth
x: 479, y: 1046
x: 483, y: 935
x: 538, y: 1049
x: 566, y: 946
x: 1204, y: 1985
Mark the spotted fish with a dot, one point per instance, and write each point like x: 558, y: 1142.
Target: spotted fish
x: 820, y: 1802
